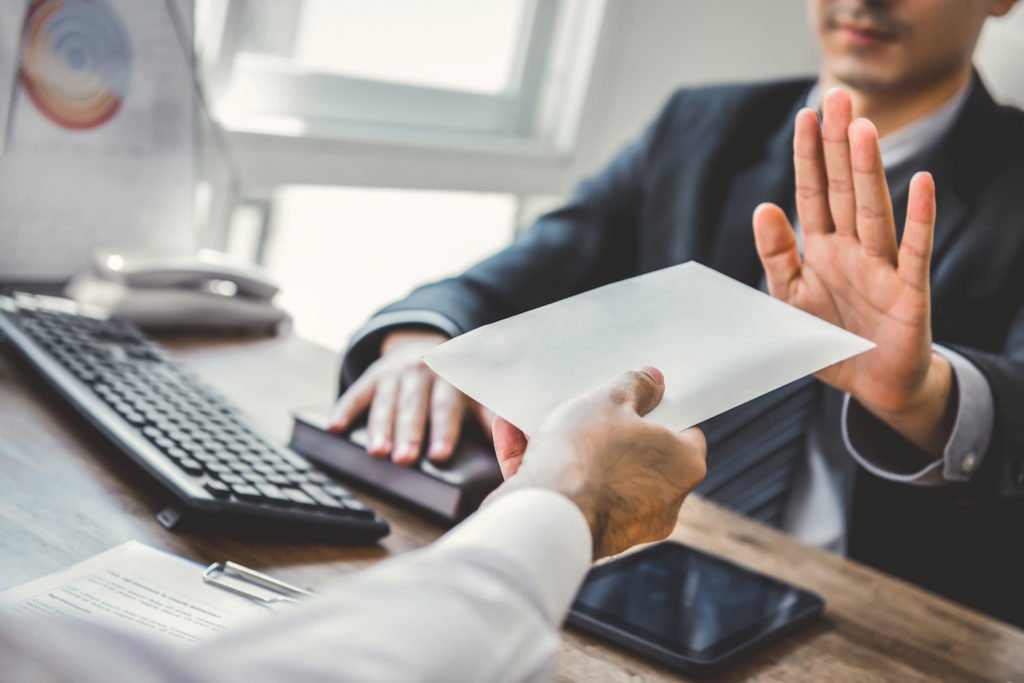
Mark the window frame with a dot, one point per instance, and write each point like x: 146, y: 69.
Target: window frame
x: 247, y: 91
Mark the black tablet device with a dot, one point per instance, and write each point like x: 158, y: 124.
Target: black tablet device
x: 685, y: 608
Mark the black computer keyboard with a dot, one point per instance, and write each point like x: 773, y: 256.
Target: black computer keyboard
x: 225, y: 477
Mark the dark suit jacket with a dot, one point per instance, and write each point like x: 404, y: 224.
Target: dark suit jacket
x: 687, y: 189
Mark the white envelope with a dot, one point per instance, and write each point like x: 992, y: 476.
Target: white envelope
x: 718, y: 342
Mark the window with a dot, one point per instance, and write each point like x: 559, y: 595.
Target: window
x: 380, y: 144
x: 340, y: 253
x: 408, y: 42
x: 399, y: 69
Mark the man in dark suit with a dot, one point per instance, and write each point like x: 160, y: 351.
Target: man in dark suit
x: 932, y: 415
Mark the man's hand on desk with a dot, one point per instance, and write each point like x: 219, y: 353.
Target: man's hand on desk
x: 402, y: 394
x: 628, y: 476
x: 854, y: 275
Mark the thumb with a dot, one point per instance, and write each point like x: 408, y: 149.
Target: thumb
x: 641, y: 390
x: 777, y: 249
x: 509, y: 446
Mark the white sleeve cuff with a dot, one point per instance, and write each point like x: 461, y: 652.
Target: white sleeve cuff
x: 539, y: 535
x: 967, y: 444
x: 975, y: 419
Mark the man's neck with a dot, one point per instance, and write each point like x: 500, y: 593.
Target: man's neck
x: 892, y: 111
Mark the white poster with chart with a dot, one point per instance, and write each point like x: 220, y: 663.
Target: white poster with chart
x: 100, y: 143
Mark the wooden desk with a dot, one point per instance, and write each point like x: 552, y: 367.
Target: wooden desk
x: 66, y: 496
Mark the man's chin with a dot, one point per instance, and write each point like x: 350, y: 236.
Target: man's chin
x: 855, y: 74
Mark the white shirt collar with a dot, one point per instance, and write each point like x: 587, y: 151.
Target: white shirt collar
x: 916, y: 137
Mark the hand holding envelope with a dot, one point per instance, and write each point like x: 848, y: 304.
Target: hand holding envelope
x: 719, y: 343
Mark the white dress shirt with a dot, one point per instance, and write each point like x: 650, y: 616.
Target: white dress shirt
x: 484, y: 603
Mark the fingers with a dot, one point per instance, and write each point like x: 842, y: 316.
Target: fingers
x: 641, y: 390
x: 915, y: 253
x: 509, y: 445
x: 777, y: 248
x: 876, y: 228
x: 837, y: 112
x: 411, y: 419
x: 447, y: 408
x: 382, y: 417
x: 809, y: 169
x: 351, y: 404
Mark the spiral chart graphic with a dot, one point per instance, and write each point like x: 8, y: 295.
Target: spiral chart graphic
x: 76, y: 61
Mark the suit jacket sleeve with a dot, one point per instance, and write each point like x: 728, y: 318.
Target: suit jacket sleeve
x: 1002, y: 471
x: 591, y: 241
x: 1000, y: 475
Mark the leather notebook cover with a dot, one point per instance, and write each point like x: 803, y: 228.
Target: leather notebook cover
x: 449, y: 491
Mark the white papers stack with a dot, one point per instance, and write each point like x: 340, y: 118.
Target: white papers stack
x: 718, y: 342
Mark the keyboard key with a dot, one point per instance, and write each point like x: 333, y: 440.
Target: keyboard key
x: 337, y: 491
x: 319, y: 477
x: 135, y: 419
x: 253, y: 477
x: 357, y: 507
x: 231, y: 479
x: 246, y: 492
x: 272, y: 492
x: 333, y: 504
x: 217, y: 488
x: 191, y: 466
x: 301, y: 464
x: 176, y: 454
x: 318, y: 494
x: 299, y: 497
x: 192, y: 447
x: 163, y: 443
x: 284, y: 467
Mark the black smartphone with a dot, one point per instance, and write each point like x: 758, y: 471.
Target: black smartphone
x: 685, y: 608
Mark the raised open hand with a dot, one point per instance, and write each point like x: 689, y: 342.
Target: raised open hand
x: 853, y: 274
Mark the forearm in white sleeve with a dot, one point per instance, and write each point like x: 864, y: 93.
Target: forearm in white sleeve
x: 483, y: 604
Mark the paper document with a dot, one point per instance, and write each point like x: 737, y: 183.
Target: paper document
x: 719, y: 343
x: 137, y: 587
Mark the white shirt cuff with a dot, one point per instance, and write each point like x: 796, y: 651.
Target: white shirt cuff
x: 967, y: 444
x: 539, y: 535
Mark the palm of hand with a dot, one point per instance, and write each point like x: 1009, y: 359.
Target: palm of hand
x: 865, y: 294
x: 851, y: 272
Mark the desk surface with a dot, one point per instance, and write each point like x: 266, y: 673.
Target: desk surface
x: 67, y: 496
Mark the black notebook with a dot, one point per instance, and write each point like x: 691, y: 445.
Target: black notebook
x: 448, y: 491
